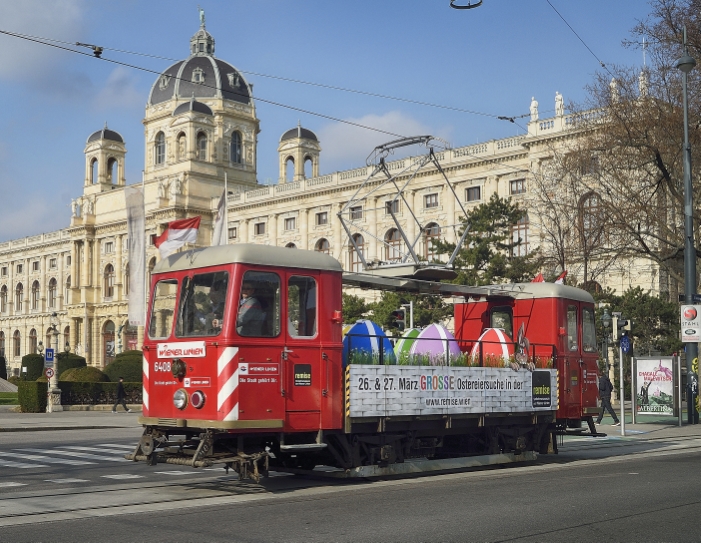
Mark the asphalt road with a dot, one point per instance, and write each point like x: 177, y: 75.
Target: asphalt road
x: 596, y: 490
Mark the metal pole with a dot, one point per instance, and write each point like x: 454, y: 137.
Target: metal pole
x: 633, y: 388
x: 692, y: 349
x: 622, y: 390
x: 678, y: 365
x: 411, y: 313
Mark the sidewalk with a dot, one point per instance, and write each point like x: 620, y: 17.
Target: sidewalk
x: 67, y: 420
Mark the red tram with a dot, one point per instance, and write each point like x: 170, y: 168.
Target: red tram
x: 243, y: 366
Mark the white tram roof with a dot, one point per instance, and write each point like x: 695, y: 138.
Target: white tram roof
x: 248, y: 253
x: 524, y: 291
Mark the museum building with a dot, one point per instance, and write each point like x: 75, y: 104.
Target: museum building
x: 200, y: 128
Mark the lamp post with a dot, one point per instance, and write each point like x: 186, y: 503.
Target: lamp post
x: 606, y: 321
x: 54, y: 403
x: 686, y: 64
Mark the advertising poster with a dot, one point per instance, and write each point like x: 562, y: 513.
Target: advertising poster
x: 654, y: 383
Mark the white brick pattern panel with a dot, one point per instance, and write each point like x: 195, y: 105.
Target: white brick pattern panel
x: 385, y: 391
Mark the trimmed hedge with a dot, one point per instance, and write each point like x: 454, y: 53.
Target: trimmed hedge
x: 3, y: 368
x: 35, y: 367
x: 32, y: 396
x: 66, y: 361
x: 131, y: 368
x: 88, y: 374
x: 77, y: 393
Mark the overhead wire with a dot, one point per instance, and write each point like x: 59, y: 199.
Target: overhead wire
x: 292, y: 80
x: 601, y: 62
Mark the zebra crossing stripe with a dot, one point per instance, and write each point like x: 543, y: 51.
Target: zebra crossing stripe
x: 66, y: 481
x: 50, y: 460
x: 20, y: 465
x: 9, y: 484
x: 78, y: 455
x: 95, y: 449
x: 123, y: 476
x: 116, y: 446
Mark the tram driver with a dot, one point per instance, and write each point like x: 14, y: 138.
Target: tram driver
x: 251, y: 316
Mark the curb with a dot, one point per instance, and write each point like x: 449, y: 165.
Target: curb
x: 59, y: 428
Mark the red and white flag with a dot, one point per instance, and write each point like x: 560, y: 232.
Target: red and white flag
x: 177, y: 234
x: 538, y: 278
x: 561, y: 279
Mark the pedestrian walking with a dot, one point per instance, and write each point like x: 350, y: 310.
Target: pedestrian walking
x: 121, y: 397
x: 605, y: 389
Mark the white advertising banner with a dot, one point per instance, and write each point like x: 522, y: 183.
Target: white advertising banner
x: 654, y: 385
x: 691, y: 323
x: 384, y: 391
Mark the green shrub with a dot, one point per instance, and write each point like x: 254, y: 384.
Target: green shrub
x: 138, y: 355
x: 14, y: 379
x: 66, y: 361
x: 131, y: 368
x: 32, y: 396
x: 3, y: 368
x: 80, y: 393
x: 35, y: 366
x: 88, y: 374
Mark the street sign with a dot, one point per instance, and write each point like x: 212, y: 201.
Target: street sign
x: 691, y: 323
x: 48, y: 358
x: 626, y: 344
x: 49, y: 373
x: 695, y: 298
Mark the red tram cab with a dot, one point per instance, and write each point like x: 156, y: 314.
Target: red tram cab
x: 558, y: 322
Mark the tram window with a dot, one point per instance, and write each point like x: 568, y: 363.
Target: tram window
x: 163, y: 309
x: 259, y: 306
x: 301, y: 306
x: 588, y: 330
x: 502, y: 317
x: 202, y: 305
x: 572, y: 327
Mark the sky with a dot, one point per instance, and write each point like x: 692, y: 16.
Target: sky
x: 477, y: 64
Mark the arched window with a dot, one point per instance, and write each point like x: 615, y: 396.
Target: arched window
x: 322, y: 246
x: 519, y: 231
x: 236, y: 148
x: 49, y: 337
x: 66, y: 338
x: 291, y: 246
x: 67, y: 292
x: 289, y: 169
x: 393, y: 245
x: 182, y: 146
x: 432, y: 233
x: 126, y: 280
x: 591, y: 219
x: 109, y: 281
x: 112, y: 170
x: 32, y: 341
x: 35, y: 296
x: 3, y: 299
x: 356, y: 263
x: 151, y: 264
x: 308, y: 167
x: 93, y: 171
x: 19, y: 295
x: 2, y: 343
x: 202, y: 146
x: 160, y: 149
x: 53, y: 287
x: 17, y: 344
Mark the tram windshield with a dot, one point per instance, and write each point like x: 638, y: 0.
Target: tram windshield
x: 202, y: 305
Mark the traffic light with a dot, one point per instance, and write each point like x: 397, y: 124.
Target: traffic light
x: 620, y: 325
x: 399, y: 316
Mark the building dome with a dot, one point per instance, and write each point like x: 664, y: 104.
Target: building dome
x: 105, y: 134
x: 299, y: 132
x: 201, y: 75
x: 192, y: 105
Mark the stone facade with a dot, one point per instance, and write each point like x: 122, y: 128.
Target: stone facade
x: 200, y: 126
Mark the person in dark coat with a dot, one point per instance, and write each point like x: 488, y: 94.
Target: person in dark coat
x: 605, y: 389
x: 121, y: 397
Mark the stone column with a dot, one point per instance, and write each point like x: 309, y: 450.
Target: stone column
x: 304, y: 228
x: 272, y: 224
x: 337, y: 245
x: 372, y: 248
x: 449, y: 233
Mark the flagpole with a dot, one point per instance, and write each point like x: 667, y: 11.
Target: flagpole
x: 143, y: 283
x: 226, y: 207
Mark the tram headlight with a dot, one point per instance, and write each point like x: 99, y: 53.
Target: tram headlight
x: 180, y: 399
x: 197, y: 399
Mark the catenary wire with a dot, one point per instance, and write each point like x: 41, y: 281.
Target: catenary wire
x: 298, y: 81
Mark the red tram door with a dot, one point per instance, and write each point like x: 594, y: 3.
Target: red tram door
x: 301, y: 355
